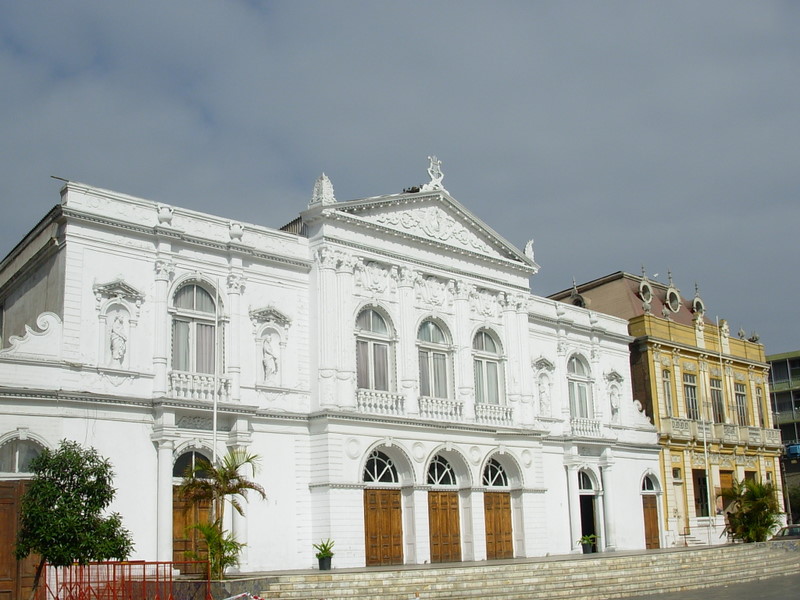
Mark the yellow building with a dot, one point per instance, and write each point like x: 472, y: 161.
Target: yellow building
x: 705, y: 391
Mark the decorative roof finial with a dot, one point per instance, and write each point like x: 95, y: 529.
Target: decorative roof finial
x: 435, y: 171
x: 669, y: 275
x: 323, y: 192
x: 696, y: 290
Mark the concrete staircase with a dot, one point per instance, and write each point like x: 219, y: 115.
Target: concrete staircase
x: 576, y: 577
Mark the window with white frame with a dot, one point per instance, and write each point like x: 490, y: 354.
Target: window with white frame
x: 579, y: 384
x: 16, y: 455
x: 373, y: 351
x: 440, y: 472
x: 690, y: 396
x: 740, y: 394
x: 666, y: 379
x: 494, y: 475
x: 486, y: 360
x: 760, y: 405
x: 194, y: 328
x: 717, y: 401
x: 434, y: 361
x: 380, y: 469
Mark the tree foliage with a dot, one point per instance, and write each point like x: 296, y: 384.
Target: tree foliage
x: 226, y: 481
x: 755, y: 510
x: 62, y: 510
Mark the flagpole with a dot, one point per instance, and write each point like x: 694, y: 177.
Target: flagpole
x: 215, y: 391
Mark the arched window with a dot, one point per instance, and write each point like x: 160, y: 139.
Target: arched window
x: 580, y: 395
x: 194, y: 325
x: 16, y: 455
x: 434, y: 361
x: 440, y: 472
x: 585, y: 482
x: 648, y: 485
x: 666, y: 380
x: 187, y: 463
x: 486, y: 359
x: 373, y: 351
x: 494, y: 475
x: 380, y: 469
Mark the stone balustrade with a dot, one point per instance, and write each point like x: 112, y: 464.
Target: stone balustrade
x: 199, y: 386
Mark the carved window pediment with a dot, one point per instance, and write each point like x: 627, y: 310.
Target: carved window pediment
x: 270, y: 316
x: 614, y: 377
x: 543, y: 364
x: 118, y: 290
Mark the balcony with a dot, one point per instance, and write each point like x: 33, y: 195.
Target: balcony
x: 585, y: 428
x: 750, y: 436
x: 440, y: 409
x: 199, y: 386
x: 726, y: 433
x: 772, y: 438
x: 380, y: 403
x: 702, y: 430
x: 493, y: 414
x: 678, y: 429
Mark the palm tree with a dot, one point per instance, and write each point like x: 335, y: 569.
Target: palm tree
x: 215, y: 484
x: 755, y: 510
x: 218, y: 482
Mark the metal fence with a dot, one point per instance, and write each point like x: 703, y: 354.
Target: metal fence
x: 121, y: 581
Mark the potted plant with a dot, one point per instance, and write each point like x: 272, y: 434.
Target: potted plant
x: 324, y: 553
x: 587, y: 543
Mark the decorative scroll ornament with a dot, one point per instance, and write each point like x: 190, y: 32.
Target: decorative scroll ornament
x: 432, y: 290
x: 373, y: 276
x: 323, y: 192
x: 485, y: 303
x: 435, y: 171
x: 164, y: 269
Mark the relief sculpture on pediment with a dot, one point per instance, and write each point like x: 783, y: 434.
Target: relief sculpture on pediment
x: 434, y: 223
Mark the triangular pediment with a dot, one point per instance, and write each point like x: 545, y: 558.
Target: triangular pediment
x: 118, y: 289
x: 435, y: 218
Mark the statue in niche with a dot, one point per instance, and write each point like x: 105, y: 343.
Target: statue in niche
x: 614, y: 404
x: 269, y: 359
x: 118, y: 340
x: 544, y: 396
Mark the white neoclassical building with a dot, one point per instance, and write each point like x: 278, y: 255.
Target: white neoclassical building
x: 407, y: 394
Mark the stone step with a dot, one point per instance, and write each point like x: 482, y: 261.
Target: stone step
x: 589, y: 577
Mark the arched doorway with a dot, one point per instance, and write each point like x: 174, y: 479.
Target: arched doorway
x: 497, y: 511
x: 383, y: 513
x: 443, y: 512
x: 587, y: 495
x: 652, y: 533
x: 187, y: 544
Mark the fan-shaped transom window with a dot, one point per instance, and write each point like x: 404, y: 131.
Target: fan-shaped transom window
x: 584, y: 481
x: 486, y: 361
x: 580, y: 396
x: 434, y: 361
x: 380, y: 469
x: 440, y: 472
x: 373, y: 351
x: 187, y: 464
x: 16, y: 455
x: 194, y: 327
x: 648, y: 485
x: 494, y: 475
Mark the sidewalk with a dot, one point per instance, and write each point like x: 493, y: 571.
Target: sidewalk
x: 775, y: 588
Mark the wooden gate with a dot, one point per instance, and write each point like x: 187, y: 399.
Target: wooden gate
x: 187, y: 544
x: 16, y: 576
x: 383, y: 527
x: 445, y: 527
x: 651, y: 531
x: 497, y: 516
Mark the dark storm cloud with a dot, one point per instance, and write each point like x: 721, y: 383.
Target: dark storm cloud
x: 616, y: 134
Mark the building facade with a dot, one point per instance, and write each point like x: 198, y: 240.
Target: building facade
x: 706, y: 392
x: 407, y: 394
x: 784, y: 392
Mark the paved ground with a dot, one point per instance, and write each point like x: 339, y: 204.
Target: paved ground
x: 775, y: 588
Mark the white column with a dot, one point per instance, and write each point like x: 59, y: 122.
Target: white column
x: 408, y: 361
x: 166, y: 447
x: 609, y: 516
x: 343, y: 327
x: 235, y: 289
x: 326, y: 349
x: 161, y: 326
x: 574, y: 503
x: 463, y: 360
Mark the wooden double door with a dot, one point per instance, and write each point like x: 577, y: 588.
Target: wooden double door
x: 651, y: 531
x: 444, y: 526
x: 383, y: 527
x: 16, y: 576
x: 497, y: 519
x: 187, y: 544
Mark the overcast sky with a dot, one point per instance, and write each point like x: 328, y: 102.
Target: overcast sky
x: 616, y: 134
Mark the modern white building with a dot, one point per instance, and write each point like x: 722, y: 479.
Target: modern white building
x: 407, y: 394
